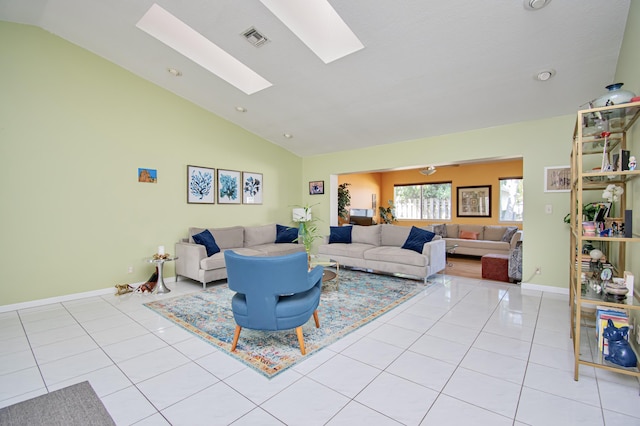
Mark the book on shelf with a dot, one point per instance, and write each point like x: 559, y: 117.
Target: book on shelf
x: 619, y: 317
x: 589, y: 229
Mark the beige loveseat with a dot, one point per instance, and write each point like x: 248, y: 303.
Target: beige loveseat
x: 379, y: 248
x: 194, y: 263
x: 488, y: 238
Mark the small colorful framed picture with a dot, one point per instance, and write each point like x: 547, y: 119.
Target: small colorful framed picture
x: 147, y: 175
x: 200, y: 185
x: 316, y: 187
x: 252, y: 188
x: 229, y: 187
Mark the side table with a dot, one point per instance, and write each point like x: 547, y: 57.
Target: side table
x: 450, y: 249
x: 327, y: 275
x: 161, y: 288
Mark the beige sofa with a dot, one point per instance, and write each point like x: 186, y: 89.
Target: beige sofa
x: 194, y: 263
x: 490, y: 238
x: 378, y: 248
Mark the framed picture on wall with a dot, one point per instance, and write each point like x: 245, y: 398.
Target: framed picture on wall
x: 252, y: 188
x: 557, y: 179
x: 229, y: 187
x: 316, y: 187
x: 474, y: 201
x: 200, y: 185
x: 147, y: 175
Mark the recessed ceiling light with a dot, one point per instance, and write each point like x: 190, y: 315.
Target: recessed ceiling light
x: 241, y: 109
x: 318, y: 25
x: 545, y: 75
x: 535, y: 4
x: 174, y: 72
x: 171, y: 31
x: 287, y: 135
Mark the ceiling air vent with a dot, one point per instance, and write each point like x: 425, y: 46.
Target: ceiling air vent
x: 254, y: 37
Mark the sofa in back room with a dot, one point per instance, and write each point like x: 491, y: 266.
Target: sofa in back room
x: 380, y: 248
x: 478, y: 240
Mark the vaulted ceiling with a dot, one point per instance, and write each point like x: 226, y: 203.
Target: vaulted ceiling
x: 427, y: 67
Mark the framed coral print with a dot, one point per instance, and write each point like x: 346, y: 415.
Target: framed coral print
x: 229, y: 187
x: 557, y: 179
x: 200, y: 185
x: 316, y: 187
x: 252, y: 188
x: 474, y: 201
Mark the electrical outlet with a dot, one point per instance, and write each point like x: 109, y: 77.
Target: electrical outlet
x: 538, y: 270
x: 130, y: 270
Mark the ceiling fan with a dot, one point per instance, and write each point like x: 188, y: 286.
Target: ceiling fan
x: 428, y: 171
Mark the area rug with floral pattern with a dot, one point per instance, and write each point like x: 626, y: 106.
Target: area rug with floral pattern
x: 361, y: 298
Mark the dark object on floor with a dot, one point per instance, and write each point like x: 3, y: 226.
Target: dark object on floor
x: 495, y: 267
x: 74, y: 405
x: 150, y: 284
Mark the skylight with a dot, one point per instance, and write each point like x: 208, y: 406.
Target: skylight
x: 171, y: 31
x: 318, y: 25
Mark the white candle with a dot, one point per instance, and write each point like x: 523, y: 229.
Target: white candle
x: 161, y: 250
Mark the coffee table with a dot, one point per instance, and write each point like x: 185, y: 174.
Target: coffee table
x: 327, y: 275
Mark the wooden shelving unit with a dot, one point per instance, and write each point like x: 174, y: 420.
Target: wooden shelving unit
x: 587, y: 153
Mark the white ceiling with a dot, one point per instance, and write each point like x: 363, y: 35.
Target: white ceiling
x: 428, y: 67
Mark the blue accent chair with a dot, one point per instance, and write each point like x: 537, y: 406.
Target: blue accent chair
x: 273, y: 293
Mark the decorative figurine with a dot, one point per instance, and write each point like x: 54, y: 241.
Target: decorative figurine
x: 632, y: 163
x: 620, y: 351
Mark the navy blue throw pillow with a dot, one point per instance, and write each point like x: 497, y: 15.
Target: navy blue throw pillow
x: 286, y: 234
x: 340, y: 234
x: 206, y: 239
x: 416, y: 239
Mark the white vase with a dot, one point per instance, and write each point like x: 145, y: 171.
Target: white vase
x: 614, y: 96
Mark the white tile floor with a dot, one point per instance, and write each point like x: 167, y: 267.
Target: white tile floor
x: 463, y: 352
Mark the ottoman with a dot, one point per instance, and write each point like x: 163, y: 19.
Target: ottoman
x: 495, y: 267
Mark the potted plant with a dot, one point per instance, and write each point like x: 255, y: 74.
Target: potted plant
x: 344, y: 199
x: 589, y: 211
x: 307, y: 229
x: 388, y: 215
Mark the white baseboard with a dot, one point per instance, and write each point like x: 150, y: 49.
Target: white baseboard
x: 68, y: 297
x: 546, y: 288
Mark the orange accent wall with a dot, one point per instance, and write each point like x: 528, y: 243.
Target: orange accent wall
x: 363, y: 187
x: 382, y: 183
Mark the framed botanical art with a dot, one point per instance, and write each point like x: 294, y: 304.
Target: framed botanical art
x: 316, y: 187
x: 229, y: 187
x: 474, y: 201
x: 200, y: 185
x: 252, y: 188
x: 557, y: 179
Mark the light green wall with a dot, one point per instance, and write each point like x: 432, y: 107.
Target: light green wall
x: 628, y: 72
x: 541, y: 143
x: 74, y: 129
